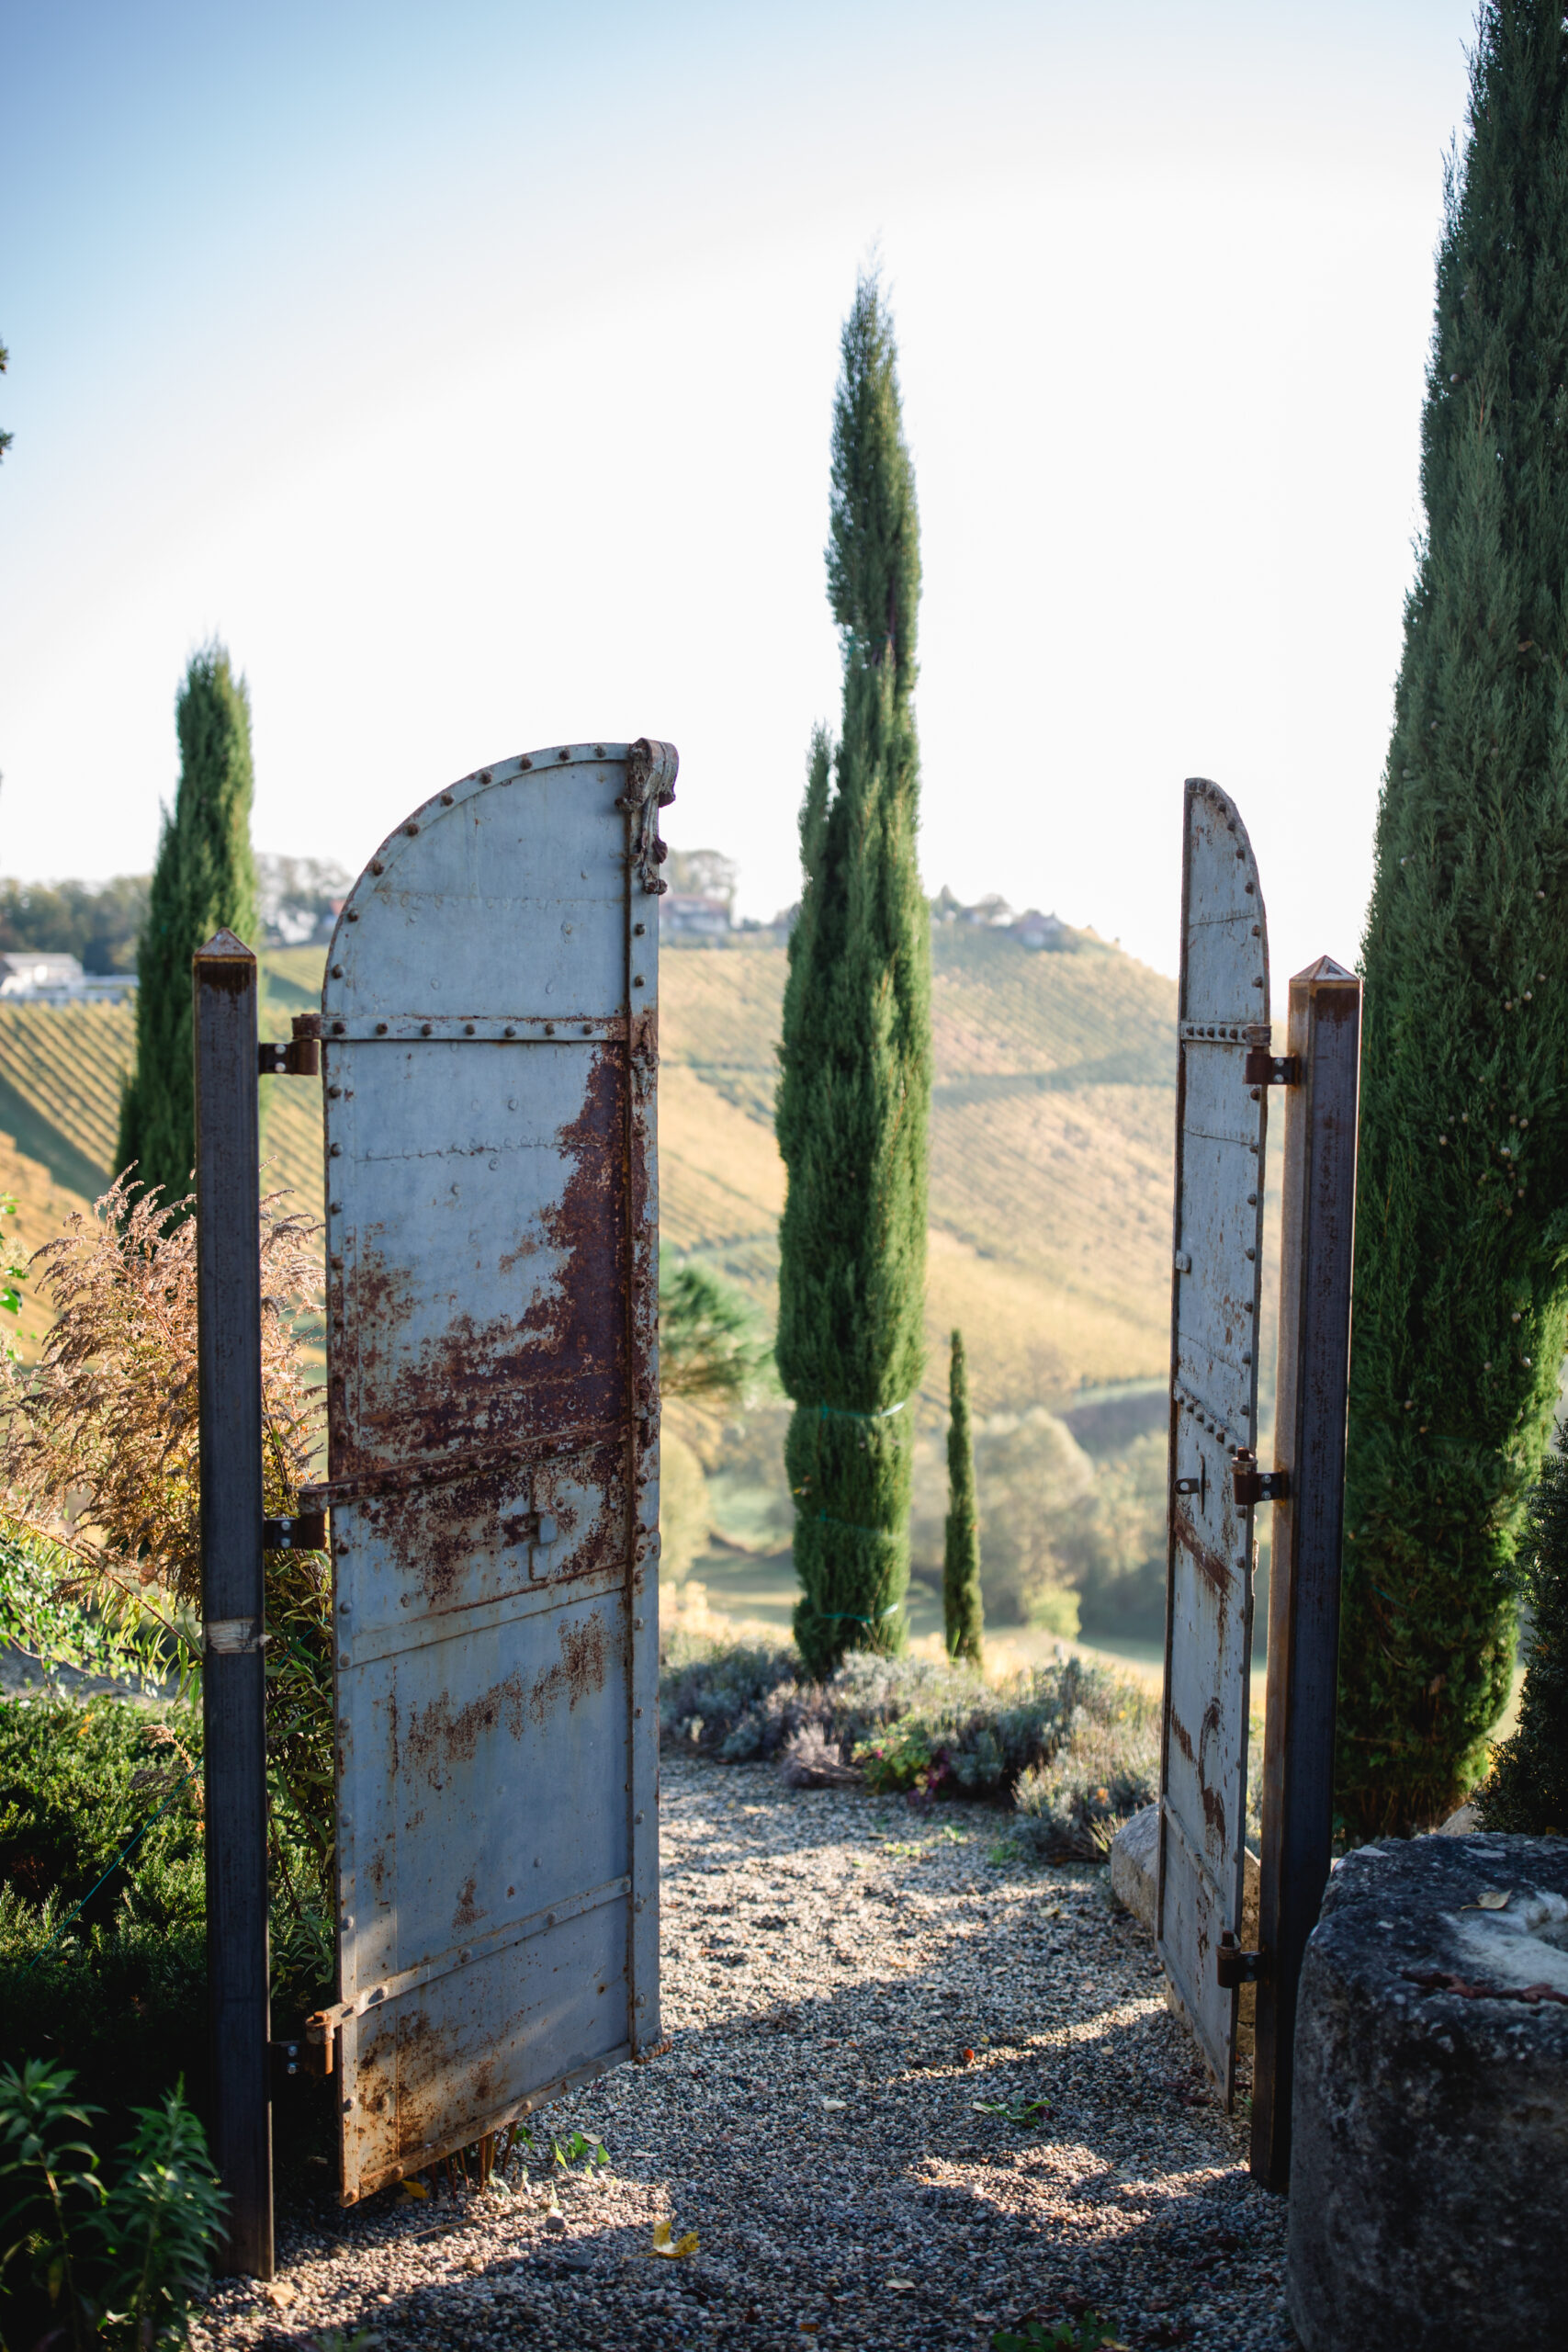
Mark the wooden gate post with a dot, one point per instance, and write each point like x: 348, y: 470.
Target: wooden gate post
x: 1317, y: 1232
x: 227, y: 1187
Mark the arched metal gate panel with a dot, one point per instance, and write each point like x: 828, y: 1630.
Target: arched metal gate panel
x: 1216, y: 1289
x: 489, y: 1048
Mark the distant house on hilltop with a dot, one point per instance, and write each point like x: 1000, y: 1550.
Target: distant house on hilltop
x: 692, y: 915
x: 1033, y: 929
x: 30, y: 975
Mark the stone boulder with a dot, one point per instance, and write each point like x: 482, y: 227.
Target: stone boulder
x: 1135, y: 1866
x: 1431, y: 2125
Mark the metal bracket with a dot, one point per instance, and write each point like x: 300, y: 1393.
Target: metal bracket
x: 311, y: 2055
x: 301, y: 1058
x: 1233, y: 1967
x: 1198, y: 1486
x: 1264, y: 1069
x: 1252, y: 1485
x: 306, y: 1531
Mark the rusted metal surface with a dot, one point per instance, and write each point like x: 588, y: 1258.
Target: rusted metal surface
x: 489, y: 1058
x: 1216, y: 1294
x: 1317, y: 1231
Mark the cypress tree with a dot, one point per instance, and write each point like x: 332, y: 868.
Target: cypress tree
x: 854, y: 1088
x: 1528, y: 1791
x: 1461, y: 1241
x: 961, y: 1611
x: 205, y: 879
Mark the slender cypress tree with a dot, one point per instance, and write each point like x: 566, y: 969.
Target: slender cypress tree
x: 1461, y: 1243
x: 205, y: 879
x: 962, y: 1618
x: 1527, y: 1792
x: 854, y: 1092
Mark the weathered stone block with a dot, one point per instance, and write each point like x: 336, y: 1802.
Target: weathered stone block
x: 1429, y: 2166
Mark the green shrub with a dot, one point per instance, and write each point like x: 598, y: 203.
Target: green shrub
x: 123, y: 1991
x: 84, y: 2262
x: 1075, y: 1746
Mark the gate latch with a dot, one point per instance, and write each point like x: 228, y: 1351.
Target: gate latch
x: 1263, y: 1069
x: 1233, y: 1966
x: 1252, y: 1485
x: 306, y: 1531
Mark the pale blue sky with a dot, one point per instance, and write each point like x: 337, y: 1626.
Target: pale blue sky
x: 470, y: 370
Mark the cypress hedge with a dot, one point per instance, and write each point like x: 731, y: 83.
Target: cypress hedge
x: 1461, y: 1240
x: 961, y: 1616
x: 205, y: 879
x: 1528, y: 1790
x: 854, y: 1087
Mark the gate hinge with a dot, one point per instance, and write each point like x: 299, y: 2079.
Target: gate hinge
x: 1233, y: 1966
x: 301, y: 1058
x: 1252, y: 1485
x: 310, y: 2054
x: 1263, y: 1069
x: 306, y: 1531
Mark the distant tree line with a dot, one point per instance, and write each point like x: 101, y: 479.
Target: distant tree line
x: 99, y: 922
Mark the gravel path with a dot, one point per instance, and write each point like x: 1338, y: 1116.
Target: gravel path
x: 850, y: 1985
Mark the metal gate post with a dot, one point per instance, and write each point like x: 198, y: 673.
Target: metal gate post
x: 1317, y: 1229
x: 227, y: 1187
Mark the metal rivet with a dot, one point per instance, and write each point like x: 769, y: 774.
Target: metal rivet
x: 351, y: 914
x: 446, y: 797
x: 549, y: 1918
x: 377, y: 866
x: 335, y: 1207
x: 338, y: 1028
x: 412, y: 827
x: 337, y: 971
x: 637, y: 1625
x: 638, y: 929
x: 380, y: 1028
x: 425, y: 1028
x: 510, y: 1030
x: 598, y: 751
x: 524, y: 762
x: 468, y: 1028
x: 550, y: 1028
x: 565, y: 752
x: 636, y: 979
x: 336, y: 1151
x: 588, y: 1028
x: 637, y: 1820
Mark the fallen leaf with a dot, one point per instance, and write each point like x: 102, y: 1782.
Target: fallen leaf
x: 838, y: 2104
x: 968, y: 2057
x: 280, y: 2293
x: 902, y: 2286
x: 414, y: 2189
x: 663, y: 2233
x: 1492, y: 1900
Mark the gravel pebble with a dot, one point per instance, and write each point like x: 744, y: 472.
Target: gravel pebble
x: 847, y: 1983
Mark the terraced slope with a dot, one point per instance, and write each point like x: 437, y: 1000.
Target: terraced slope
x: 1051, y: 1140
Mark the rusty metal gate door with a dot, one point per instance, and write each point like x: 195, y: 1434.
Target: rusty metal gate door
x: 490, y: 1038
x: 1216, y: 1294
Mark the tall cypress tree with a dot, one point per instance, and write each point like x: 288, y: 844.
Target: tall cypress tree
x: 205, y: 879
x: 1528, y: 1790
x: 1461, y: 1243
x: 961, y: 1611
x: 854, y: 1092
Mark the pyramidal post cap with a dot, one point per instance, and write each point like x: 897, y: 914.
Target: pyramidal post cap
x: 224, y: 943
x: 1326, y: 968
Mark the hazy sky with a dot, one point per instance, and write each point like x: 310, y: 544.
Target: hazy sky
x: 470, y: 370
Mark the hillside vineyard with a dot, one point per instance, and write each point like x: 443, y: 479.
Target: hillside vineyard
x: 1050, y: 1145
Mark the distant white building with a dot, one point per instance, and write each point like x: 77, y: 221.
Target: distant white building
x: 27, y: 975
x: 1033, y: 929
x: 692, y: 915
